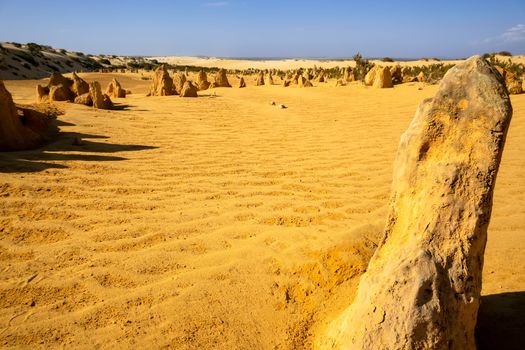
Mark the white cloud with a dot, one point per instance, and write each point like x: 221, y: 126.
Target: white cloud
x: 511, y: 35
x: 516, y: 33
x: 216, y: 4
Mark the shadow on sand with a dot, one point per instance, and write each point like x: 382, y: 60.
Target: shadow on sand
x: 64, y: 148
x: 501, y: 322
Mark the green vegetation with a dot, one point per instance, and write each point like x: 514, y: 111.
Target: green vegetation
x: 362, y: 66
x: 433, y: 72
x: 387, y: 59
x: 35, y: 49
x: 28, y: 58
x: 518, y: 69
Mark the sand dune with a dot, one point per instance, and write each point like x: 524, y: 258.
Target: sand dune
x: 219, y: 222
x: 285, y: 64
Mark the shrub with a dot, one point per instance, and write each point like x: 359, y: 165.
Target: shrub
x: 504, y: 53
x: 17, y: 45
x: 28, y: 58
x: 34, y: 48
x: 362, y: 66
x: 518, y: 69
x: 387, y: 59
x: 105, y: 61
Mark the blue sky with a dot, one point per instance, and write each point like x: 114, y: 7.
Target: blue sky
x: 235, y: 28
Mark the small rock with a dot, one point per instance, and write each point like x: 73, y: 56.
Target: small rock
x: 282, y: 107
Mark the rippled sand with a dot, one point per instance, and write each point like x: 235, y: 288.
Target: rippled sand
x: 220, y: 222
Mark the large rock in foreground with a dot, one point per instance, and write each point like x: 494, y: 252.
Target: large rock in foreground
x: 422, y: 287
x: 24, y: 127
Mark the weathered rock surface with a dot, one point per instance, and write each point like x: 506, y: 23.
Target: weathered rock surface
x: 221, y: 80
x: 188, y: 90
x: 422, y: 286
x: 268, y: 79
x: 259, y: 79
x: 348, y: 74
x: 100, y: 100
x: 242, y: 83
x: 178, y: 80
x: 303, y: 82
x: 60, y: 93
x: 24, y: 127
x: 162, y: 83
x: 202, y: 81
x: 79, y: 86
x: 59, y: 88
x: 421, y: 77
x: 115, y: 90
x: 84, y: 99
x: 379, y: 77
x: 383, y: 78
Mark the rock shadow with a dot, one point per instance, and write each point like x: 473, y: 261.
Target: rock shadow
x: 501, y: 321
x: 68, y: 146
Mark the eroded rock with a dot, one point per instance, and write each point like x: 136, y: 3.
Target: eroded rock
x: 188, y: 90
x: 162, y: 83
x: 24, y: 127
x: 100, y: 100
x: 422, y: 286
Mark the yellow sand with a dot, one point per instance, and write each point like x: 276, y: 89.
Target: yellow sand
x: 219, y: 222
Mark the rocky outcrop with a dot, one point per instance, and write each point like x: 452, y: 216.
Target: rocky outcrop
x: 379, y: 77
x: 242, y: 83
x: 259, y: 79
x: 268, y: 79
x: 348, y: 74
x: 162, y: 83
x: 221, y: 80
x: 100, y: 100
x: 59, y: 88
x: 421, y: 77
x: 422, y: 287
x: 24, y: 127
x: 178, y: 80
x: 79, y: 86
x: 202, y: 81
x: 114, y: 90
x: 84, y: 99
x: 303, y: 82
x: 188, y: 90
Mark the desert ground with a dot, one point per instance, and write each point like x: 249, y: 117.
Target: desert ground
x: 285, y: 64
x: 221, y: 222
